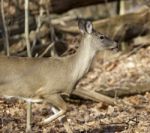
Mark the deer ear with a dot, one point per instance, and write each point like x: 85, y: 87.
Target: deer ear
x: 85, y: 26
x: 89, y: 27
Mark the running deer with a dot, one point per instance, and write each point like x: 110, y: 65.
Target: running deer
x: 47, y: 79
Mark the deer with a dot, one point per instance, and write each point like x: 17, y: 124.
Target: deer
x: 46, y: 79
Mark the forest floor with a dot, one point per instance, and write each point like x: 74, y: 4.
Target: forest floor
x: 83, y: 116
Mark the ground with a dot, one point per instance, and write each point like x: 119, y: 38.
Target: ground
x: 83, y: 116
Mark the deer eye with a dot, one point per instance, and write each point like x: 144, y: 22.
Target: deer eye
x: 102, y: 37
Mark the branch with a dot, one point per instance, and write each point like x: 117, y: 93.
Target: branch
x: 27, y: 28
x: 5, y: 29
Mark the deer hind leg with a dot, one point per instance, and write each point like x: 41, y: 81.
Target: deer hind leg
x: 59, y: 103
x: 92, y: 95
x: 63, y: 120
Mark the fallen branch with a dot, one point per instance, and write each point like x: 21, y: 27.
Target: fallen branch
x: 124, y: 27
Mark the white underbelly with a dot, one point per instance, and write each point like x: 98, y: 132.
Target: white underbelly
x: 25, y: 99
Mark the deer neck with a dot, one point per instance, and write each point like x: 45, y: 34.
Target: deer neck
x: 83, y: 58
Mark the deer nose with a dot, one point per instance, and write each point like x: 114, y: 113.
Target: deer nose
x: 115, y: 47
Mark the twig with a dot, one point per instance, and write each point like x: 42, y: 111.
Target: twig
x: 58, y: 20
x: 27, y: 28
x: 29, y: 104
x: 39, y: 23
x: 46, y: 50
x: 122, y: 7
x: 52, y: 32
x: 5, y: 29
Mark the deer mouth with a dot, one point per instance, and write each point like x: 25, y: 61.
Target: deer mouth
x: 114, y: 47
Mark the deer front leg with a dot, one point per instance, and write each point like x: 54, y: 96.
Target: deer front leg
x: 59, y: 103
x: 92, y: 95
x: 63, y: 120
x: 29, y: 113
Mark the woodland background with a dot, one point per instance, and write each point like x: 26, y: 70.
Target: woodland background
x: 123, y: 75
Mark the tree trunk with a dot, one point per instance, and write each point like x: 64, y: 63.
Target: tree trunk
x: 60, y: 6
